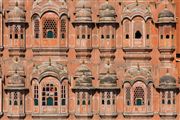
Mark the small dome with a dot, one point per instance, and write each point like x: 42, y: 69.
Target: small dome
x: 107, y: 12
x: 83, y: 76
x: 167, y: 80
x: 166, y: 16
x: 16, y: 74
x: 83, y: 69
x: 83, y: 14
x: 165, y: 13
x: 84, y: 81
x: 16, y: 78
x: 108, y: 81
x: 16, y: 15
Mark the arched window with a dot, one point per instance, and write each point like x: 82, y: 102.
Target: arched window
x: 36, y: 28
x: 108, y: 98
x: 169, y: 97
x: 149, y: 95
x: 10, y: 98
x: 138, y: 96
x: 128, y: 95
x: 174, y: 98
x: 36, y: 96
x: 163, y: 97
x: 83, y: 98
x: 49, y: 95
x: 78, y: 98
x: 103, y: 98
x: 138, y: 35
x: 10, y: 32
x: 16, y: 31
x: 126, y: 29
x: 15, y: 98
x: 63, y: 27
x: 63, y: 95
x: 50, y: 28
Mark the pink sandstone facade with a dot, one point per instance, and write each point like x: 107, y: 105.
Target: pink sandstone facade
x: 89, y: 59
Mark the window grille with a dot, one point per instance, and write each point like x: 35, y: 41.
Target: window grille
x: 50, y: 28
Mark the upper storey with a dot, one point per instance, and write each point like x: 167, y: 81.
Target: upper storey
x: 66, y: 23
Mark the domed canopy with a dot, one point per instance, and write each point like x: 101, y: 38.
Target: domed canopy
x: 16, y: 75
x: 83, y: 76
x: 16, y: 15
x: 108, y: 81
x: 165, y: 13
x: 166, y: 16
x: 83, y: 14
x: 84, y: 81
x: 107, y: 12
x: 83, y: 11
x: 167, y: 81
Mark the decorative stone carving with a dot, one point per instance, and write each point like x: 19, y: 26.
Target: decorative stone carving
x: 108, y: 78
x: 134, y: 9
x: 83, y: 11
x: 166, y: 16
x: 83, y: 77
x: 16, y: 74
x: 138, y: 73
x: 16, y: 13
x: 107, y: 12
x: 167, y: 81
x: 49, y: 68
x: 42, y: 6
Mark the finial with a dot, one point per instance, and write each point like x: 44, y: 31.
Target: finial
x: 16, y: 4
x: 138, y: 66
x: 49, y: 61
x: 137, y: 3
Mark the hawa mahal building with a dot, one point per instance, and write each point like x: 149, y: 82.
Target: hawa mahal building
x: 90, y: 59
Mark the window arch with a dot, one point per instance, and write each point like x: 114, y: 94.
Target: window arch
x: 63, y: 94
x: 163, y: 97
x: 15, y: 98
x: 128, y: 95
x: 63, y: 30
x: 36, y: 96
x: 126, y: 29
x: 36, y: 28
x: 149, y: 95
